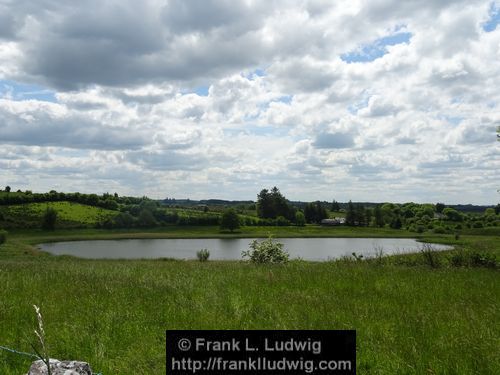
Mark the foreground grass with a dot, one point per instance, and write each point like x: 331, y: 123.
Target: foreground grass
x: 409, y: 319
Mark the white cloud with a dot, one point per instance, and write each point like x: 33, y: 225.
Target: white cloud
x: 217, y: 99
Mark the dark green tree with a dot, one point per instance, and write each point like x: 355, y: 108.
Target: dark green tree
x: 265, y: 209
x: 124, y: 220
x: 335, y: 206
x: 271, y: 204
x: 315, y: 212
x: 230, y: 220
x: 452, y: 214
x: 146, y: 218
x: 3, y: 236
x: 49, y: 219
x: 7, y: 189
x: 350, y: 216
x: 396, y: 223
x: 440, y: 207
x: 360, y: 215
x: 379, y: 217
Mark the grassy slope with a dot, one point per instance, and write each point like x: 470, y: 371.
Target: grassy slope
x: 69, y: 214
x: 410, y: 320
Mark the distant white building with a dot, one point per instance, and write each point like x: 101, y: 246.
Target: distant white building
x: 334, y: 221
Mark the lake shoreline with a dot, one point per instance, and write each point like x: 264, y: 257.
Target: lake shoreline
x: 308, y: 249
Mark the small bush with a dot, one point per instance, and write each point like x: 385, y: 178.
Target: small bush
x: 282, y: 221
x: 267, y: 251
x: 430, y: 255
x: 483, y: 260
x: 420, y: 228
x: 203, y: 255
x: 379, y: 254
x: 49, y: 219
x: 459, y: 259
x: 439, y: 230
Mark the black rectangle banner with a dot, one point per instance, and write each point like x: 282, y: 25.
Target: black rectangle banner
x: 261, y: 352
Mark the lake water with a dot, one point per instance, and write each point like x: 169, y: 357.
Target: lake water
x: 230, y: 249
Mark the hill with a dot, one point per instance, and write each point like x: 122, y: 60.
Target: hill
x: 70, y: 215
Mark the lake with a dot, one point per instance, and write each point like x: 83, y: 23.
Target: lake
x: 317, y: 249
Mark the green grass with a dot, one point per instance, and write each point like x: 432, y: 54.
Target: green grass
x: 410, y: 319
x: 70, y: 214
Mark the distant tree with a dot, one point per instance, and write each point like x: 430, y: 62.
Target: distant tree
x: 489, y: 211
x: 335, y: 206
x: 360, y: 215
x: 300, y: 219
x: 350, y: 216
x: 49, y: 219
x: 230, y: 220
x: 92, y: 199
x: 124, y: 220
x: 7, y: 189
x: 3, y: 236
x: 497, y: 209
x: 368, y: 215
x: 379, y: 218
x: 315, y: 212
x: 440, y: 207
x: 271, y: 204
x: 146, y: 218
x: 265, y: 209
x: 452, y: 214
x: 396, y: 223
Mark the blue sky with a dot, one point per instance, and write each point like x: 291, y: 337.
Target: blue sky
x: 23, y: 91
x: 376, y: 49
x: 494, y: 18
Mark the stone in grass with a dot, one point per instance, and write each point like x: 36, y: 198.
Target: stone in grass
x: 60, y: 368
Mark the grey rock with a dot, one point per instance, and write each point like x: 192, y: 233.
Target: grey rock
x: 60, y: 368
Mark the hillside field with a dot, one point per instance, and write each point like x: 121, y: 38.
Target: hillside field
x: 70, y: 215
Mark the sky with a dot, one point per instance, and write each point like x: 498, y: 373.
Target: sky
x: 376, y: 100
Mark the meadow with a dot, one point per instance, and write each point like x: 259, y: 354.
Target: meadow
x: 410, y: 318
x: 70, y: 214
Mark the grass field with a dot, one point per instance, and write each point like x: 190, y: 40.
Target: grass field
x: 70, y: 214
x: 410, y: 318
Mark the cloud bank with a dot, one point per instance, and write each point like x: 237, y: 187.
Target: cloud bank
x: 363, y: 100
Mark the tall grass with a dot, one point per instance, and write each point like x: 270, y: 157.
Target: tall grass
x: 410, y: 318
x: 113, y: 314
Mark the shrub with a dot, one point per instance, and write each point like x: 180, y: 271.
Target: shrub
x: 483, y: 260
x: 49, y: 219
x: 300, y: 219
x: 3, y: 236
x: 230, y: 220
x: 430, y: 255
x: 267, y: 251
x: 203, y: 255
x: 458, y: 259
x: 282, y: 221
x: 420, y: 228
x: 439, y: 230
